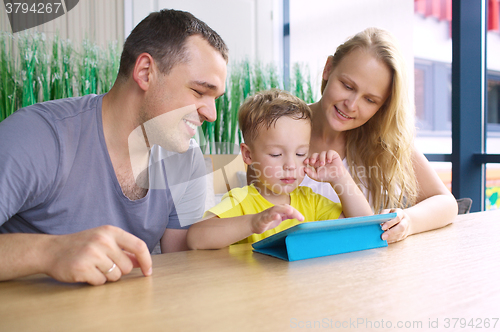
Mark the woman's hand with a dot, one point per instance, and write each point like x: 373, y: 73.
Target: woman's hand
x: 396, y: 229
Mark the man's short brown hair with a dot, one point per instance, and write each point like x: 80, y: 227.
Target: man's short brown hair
x: 265, y: 108
x: 163, y: 35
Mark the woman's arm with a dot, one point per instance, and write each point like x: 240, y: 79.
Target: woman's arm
x: 216, y: 233
x: 436, y: 206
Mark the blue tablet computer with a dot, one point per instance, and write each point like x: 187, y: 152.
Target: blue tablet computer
x: 326, y: 237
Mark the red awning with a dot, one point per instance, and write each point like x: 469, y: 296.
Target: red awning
x: 441, y: 10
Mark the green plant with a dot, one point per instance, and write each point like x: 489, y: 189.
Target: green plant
x: 301, y: 86
x: 44, y: 70
x: 246, y: 78
x: 8, y: 87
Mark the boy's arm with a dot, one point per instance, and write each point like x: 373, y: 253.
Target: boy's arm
x: 215, y: 233
x: 328, y: 167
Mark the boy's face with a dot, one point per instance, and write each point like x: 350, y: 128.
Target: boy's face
x: 277, y: 155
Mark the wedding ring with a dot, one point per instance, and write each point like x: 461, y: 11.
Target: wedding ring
x: 111, y: 269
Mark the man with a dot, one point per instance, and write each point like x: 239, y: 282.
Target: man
x: 73, y: 203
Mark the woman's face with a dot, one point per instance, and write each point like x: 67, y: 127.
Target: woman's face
x: 356, y: 89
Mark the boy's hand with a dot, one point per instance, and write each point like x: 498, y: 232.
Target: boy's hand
x: 272, y: 217
x: 325, y: 166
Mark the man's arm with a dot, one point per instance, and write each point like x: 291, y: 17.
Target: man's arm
x: 85, y: 256
x: 174, y: 240
x: 188, y: 194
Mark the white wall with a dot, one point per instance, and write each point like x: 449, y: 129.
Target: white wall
x: 318, y: 26
x: 432, y: 41
x: 249, y: 27
x: 493, y: 51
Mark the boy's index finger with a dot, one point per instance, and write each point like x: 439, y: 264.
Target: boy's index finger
x: 293, y: 213
x: 138, y: 247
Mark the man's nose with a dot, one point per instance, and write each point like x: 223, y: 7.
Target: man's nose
x: 208, y: 112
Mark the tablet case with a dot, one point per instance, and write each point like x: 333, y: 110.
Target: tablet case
x: 326, y: 237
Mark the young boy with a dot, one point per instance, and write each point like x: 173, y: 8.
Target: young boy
x: 276, y: 127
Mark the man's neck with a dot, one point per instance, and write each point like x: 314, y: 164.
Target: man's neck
x: 119, y: 118
x: 120, y: 109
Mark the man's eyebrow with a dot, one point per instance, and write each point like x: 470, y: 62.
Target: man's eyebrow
x: 207, y: 86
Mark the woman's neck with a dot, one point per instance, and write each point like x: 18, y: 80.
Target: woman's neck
x: 323, y: 137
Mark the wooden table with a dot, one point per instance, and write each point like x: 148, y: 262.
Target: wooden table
x: 453, y: 272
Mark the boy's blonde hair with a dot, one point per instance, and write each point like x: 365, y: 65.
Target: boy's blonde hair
x: 386, y: 140
x: 265, y: 108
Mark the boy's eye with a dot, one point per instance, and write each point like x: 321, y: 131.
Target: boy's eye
x: 301, y: 154
x: 197, y: 92
x: 275, y: 155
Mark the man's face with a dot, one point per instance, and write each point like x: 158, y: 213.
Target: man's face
x: 179, y: 102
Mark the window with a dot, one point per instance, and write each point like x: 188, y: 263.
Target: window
x: 433, y: 96
x: 494, y: 102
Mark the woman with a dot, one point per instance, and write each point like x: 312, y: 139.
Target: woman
x: 364, y: 114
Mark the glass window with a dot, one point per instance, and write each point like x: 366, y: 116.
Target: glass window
x: 492, y: 196
x: 420, y: 94
x: 494, y: 101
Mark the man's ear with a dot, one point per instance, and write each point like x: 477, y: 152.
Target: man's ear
x: 246, y: 153
x: 143, y: 70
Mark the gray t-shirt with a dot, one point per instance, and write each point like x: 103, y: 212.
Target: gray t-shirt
x: 56, y: 176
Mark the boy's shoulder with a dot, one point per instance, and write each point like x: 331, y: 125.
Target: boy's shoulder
x: 305, y: 191
x: 242, y: 193
x: 307, y: 194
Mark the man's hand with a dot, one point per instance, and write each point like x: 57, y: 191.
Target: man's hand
x: 89, y: 256
x: 272, y: 217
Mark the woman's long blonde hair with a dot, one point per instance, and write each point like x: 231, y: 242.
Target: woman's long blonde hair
x: 382, y: 147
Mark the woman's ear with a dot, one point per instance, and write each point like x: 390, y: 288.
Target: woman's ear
x: 246, y: 153
x: 143, y: 70
x: 328, y: 68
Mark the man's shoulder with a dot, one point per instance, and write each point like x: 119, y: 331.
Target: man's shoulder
x: 63, y: 108
x: 49, y: 112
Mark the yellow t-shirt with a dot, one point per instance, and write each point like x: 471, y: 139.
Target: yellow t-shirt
x: 247, y: 200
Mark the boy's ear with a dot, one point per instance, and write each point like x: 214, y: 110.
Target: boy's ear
x: 246, y: 153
